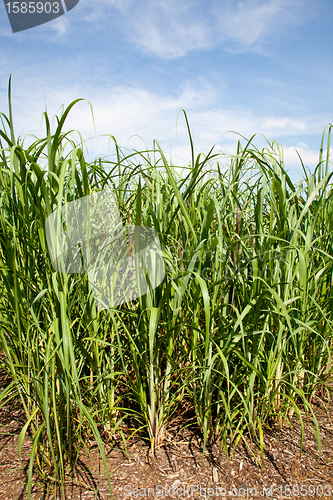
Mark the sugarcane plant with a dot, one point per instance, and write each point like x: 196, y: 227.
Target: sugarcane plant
x: 236, y: 336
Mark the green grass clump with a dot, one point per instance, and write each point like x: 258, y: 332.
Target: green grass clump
x: 239, y: 333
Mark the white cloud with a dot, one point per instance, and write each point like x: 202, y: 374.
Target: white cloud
x: 60, y: 26
x: 309, y: 157
x: 136, y: 116
x: 246, y: 22
x: 170, y: 28
x: 250, y: 23
x: 272, y: 122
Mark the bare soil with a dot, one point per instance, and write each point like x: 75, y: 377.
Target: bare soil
x: 178, y: 470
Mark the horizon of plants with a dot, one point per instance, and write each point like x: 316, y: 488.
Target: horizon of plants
x: 236, y: 338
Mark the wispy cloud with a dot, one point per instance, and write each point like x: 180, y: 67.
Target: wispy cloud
x: 247, y: 25
x: 276, y: 123
x: 59, y: 27
x: 136, y: 116
x: 170, y: 29
x: 309, y: 157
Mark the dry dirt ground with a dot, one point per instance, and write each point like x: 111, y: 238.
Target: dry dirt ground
x: 177, y: 470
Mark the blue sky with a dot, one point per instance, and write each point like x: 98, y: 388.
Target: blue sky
x: 252, y: 67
